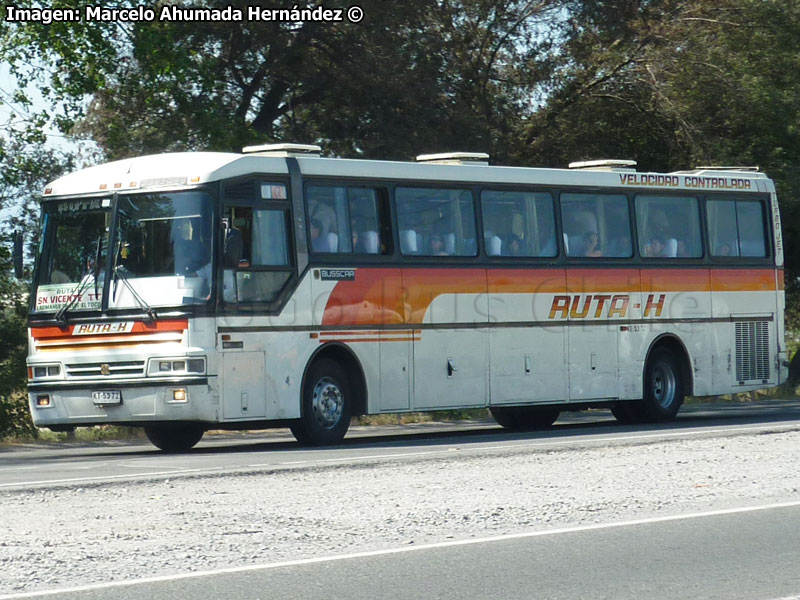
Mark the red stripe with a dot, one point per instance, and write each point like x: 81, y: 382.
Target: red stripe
x: 42, y: 333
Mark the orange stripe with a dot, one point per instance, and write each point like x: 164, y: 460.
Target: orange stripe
x: 371, y: 332
x: 393, y: 296
x: 594, y: 281
x: 742, y: 280
x: 684, y: 280
x: 342, y: 333
x: 516, y: 281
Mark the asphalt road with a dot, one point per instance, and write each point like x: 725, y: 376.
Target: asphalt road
x: 43, y: 465
x: 748, y: 551
x: 749, y: 554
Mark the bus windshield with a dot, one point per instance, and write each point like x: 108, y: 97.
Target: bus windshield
x: 72, y: 252
x: 159, y: 252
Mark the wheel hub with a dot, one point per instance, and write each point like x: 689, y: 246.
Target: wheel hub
x: 327, y: 403
x: 663, y: 386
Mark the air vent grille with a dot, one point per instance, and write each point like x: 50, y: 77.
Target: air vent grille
x: 752, y: 351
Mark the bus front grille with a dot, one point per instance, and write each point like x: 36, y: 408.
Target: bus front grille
x: 107, y: 369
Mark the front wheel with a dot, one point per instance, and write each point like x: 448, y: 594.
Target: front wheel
x: 175, y: 438
x: 327, y: 405
x: 627, y: 412
x: 523, y: 418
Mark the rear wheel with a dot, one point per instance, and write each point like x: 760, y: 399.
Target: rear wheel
x: 175, y: 438
x: 663, y: 388
x: 523, y: 418
x: 327, y: 405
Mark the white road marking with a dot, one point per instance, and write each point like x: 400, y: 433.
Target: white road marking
x: 108, y: 477
x: 467, y: 448
x: 403, y: 550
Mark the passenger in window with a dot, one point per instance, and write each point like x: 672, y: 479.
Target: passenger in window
x: 318, y: 243
x: 683, y: 250
x: 723, y: 249
x: 655, y: 247
x: 512, y: 246
x: 591, y: 244
x: 659, y: 230
x: 191, y: 255
x: 359, y: 238
x: 437, y: 246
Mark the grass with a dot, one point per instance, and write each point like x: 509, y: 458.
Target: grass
x: 81, y: 434
x: 476, y: 414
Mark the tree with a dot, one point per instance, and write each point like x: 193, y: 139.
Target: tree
x: 413, y: 76
x: 27, y: 164
x: 674, y: 84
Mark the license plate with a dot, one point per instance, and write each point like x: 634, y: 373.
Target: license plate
x: 107, y: 397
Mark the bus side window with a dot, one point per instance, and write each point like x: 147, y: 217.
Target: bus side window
x: 436, y: 221
x: 596, y: 225
x: 752, y: 241
x: 518, y: 223
x: 736, y: 228
x: 668, y: 226
x: 347, y: 220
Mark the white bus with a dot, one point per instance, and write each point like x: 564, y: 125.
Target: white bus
x: 191, y: 291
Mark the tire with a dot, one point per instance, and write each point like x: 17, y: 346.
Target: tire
x: 524, y: 418
x: 663, y: 388
x: 327, y: 405
x: 175, y: 438
x: 504, y: 416
x: 627, y: 412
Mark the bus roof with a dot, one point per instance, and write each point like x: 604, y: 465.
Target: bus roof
x: 188, y: 169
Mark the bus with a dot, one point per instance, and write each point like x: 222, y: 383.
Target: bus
x: 185, y: 292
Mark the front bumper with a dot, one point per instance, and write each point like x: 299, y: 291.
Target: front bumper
x: 71, y: 403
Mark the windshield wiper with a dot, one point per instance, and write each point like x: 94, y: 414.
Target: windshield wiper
x: 61, y: 315
x: 119, y: 273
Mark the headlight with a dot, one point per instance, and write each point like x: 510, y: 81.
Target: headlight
x: 42, y: 371
x: 43, y: 401
x: 183, y: 366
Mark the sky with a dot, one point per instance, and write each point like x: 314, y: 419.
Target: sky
x: 9, y: 111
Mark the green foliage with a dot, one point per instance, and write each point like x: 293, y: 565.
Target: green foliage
x: 14, y: 415
x: 412, y: 77
x: 15, y: 418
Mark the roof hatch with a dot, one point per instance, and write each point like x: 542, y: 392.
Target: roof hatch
x: 283, y: 150
x: 455, y: 158
x: 605, y: 164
